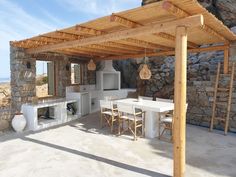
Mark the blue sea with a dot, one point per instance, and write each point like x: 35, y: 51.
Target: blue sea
x: 4, y: 80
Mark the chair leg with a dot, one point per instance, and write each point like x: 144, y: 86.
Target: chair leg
x: 135, y: 131
x: 118, y: 126
x: 101, y: 121
x: 159, y: 126
x: 143, y: 126
x: 112, y: 119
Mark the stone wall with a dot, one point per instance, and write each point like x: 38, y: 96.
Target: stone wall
x: 23, y: 78
x: 5, y: 117
x: 63, y: 76
x: 23, y: 82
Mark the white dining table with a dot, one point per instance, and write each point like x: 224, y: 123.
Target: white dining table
x: 152, y: 112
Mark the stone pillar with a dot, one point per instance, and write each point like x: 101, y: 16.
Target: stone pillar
x: 63, y: 78
x: 23, y: 78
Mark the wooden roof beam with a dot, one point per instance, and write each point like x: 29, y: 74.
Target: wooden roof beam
x: 89, y: 50
x: 54, y: 39
x: 31, y: 43
x: 172, y: 38
x: 95, y: 32
x: 68, y: 35
x: 131, y: 24
x: 82, y: 53
x: 123, y: 46
x: 192, y: 21
x: 179, y: 13
x: 146, y: 44
x: 164, y: 53
x: 89, y: 31
x: 124, y: 21
x: 71, y: 53
x: 111, y: 49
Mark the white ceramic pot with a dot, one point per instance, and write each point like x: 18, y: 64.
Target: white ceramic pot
x: 18, y: 122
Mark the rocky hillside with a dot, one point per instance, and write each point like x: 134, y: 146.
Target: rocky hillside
x: 224, y: 10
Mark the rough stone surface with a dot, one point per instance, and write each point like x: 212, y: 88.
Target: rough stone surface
x: 5, y: 117
x: 23, y: 88
x: 64, y: 76
x: 201, y: 74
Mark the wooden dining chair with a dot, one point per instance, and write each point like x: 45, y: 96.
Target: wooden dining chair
x: 127, y: 114
x: 165, y: 122
x: 109, y: 113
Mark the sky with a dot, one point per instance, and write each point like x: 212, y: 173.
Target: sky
x: 20, y: 19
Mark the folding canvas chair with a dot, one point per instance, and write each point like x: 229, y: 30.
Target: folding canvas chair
x: 165, y: 122
x: 109, y: 114
x: 127, y: 113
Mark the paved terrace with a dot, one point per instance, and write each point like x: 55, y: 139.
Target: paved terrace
x: 81, y: 148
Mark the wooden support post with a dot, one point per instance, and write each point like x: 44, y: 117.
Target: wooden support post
x: 180, y: 101
x: 226, y: 61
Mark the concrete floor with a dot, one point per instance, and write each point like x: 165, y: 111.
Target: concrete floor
x: 81, y: 149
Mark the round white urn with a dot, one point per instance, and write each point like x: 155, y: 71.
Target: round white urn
x: 18, y: 122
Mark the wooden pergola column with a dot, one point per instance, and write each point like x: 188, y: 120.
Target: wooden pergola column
x: 179, y: 129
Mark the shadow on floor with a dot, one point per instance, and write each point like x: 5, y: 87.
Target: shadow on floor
x: 202, y: 147
x: 98, y: 158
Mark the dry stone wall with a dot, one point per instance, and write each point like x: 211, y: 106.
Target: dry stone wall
x: 23, y: 77
x: 201, y: 78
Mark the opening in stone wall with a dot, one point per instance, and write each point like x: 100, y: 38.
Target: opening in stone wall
x: 45, y: 78
x: 76, y: 74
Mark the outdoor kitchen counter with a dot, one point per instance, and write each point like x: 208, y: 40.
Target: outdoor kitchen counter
x: 49, y: 103
x: 60, y: 115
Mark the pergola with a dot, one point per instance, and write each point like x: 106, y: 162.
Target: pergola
x: 173, y: 27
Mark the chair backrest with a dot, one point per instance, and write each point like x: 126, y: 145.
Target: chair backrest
x: 164, y: 100
x: 125, y: 108
x: 145, y: 98
x: 106, y: 104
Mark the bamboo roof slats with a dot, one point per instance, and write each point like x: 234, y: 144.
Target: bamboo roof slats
x: 103, y: 36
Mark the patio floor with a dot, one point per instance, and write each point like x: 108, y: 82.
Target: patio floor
x: 80, y: 148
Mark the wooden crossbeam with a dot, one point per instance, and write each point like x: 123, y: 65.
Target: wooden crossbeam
x: 179, y: 13
x: 30, y: 43
x: 212, y: 32
x: 192, y: 21
x: 123, y: 46
x: 124, y: 21
x: 95, y: 32
x: 95, y: 51
x: 81, y: 53
x: 68, y: 35
x: 75, y: 54
x: 49, y: 38
x: 172, y: 38
x: 131, y: 24
x: 108, y: 48
x: 111, y: 49
x: 101, y: 49
x: 164, y: 53
x: 89, y: 31
x: 147, y: 44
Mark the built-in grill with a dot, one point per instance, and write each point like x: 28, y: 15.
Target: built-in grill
x: 108, y: 78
